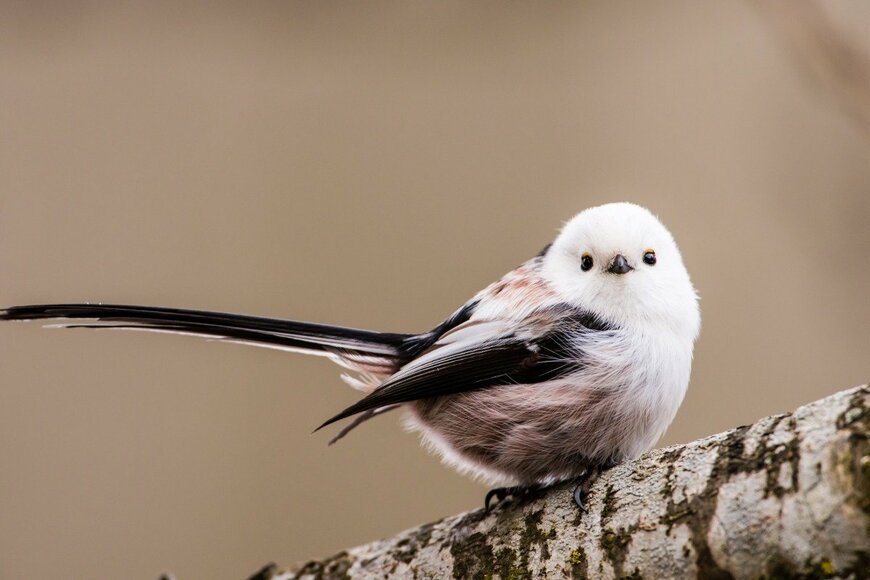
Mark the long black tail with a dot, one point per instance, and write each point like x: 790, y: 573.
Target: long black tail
x: 384, y: 348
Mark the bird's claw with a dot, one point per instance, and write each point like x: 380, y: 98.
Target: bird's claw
x: 584, y: 483
x: 578, y: 498
x: 500, y: 493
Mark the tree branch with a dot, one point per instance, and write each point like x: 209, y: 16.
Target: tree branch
x: 786, y: 497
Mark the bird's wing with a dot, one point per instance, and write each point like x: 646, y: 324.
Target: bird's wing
x: 485, y: 353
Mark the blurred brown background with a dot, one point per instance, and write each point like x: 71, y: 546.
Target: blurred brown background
x: 374, y: 165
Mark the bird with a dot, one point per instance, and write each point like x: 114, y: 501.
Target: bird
x: 573, y: 362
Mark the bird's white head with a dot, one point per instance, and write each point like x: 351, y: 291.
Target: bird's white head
x: 619, y: 262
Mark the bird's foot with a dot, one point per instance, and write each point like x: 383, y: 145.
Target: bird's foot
x: 579, y: 492
x: 584, y: 484
x: 502, y: 493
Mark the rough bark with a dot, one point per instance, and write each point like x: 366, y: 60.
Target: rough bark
x: 787, y: 497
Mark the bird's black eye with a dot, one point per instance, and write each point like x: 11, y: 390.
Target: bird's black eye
x: 586, y: 262
x: 649, y: 257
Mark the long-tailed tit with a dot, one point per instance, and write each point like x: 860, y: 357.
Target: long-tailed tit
x: 576, y: 360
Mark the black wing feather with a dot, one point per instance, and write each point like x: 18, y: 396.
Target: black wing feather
x: 486, y: 365
x: 502, y: 360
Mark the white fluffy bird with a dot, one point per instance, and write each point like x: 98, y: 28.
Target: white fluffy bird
x: 575, y: 361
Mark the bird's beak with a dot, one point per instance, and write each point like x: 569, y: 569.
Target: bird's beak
x: 619, y: 265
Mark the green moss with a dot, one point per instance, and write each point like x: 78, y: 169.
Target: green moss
x: 824, y: 568
x: 578, y: 563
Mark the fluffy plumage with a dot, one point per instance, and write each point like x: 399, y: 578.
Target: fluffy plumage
x: 578, y: 358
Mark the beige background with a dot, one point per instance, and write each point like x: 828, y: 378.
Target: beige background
x: 374, y: 165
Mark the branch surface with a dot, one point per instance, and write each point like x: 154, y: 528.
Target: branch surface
x: 786, y: 497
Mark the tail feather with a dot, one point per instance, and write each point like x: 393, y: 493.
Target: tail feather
x: 375, y: 351
x: 374, y: 355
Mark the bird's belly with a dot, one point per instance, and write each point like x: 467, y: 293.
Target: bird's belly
x: 523, y: 434
x: 545, y: 432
